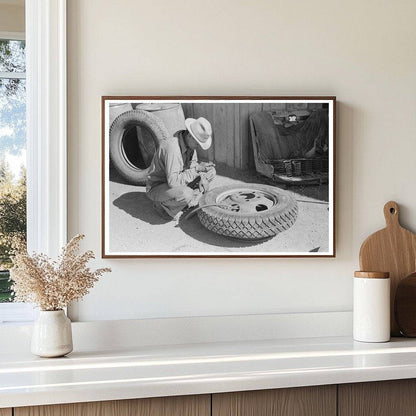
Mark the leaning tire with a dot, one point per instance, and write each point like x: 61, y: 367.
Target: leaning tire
x: 220, y: 219
x: 135, y: 173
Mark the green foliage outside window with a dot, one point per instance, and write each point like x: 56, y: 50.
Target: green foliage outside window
x: 12, y: 223
x: 12, y: 146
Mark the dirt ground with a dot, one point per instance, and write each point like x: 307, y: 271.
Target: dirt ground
x: 136, y: 228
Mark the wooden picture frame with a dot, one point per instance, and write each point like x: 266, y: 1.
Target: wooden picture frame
x: 277, y: 150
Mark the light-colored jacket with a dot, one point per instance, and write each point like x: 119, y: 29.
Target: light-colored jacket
x: 173, y: 163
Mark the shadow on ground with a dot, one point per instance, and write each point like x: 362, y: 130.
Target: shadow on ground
x: 134, y: 229
x: 139, y: 206
x: 196, y: 230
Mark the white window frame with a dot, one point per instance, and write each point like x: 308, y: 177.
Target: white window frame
x: 46, y: 127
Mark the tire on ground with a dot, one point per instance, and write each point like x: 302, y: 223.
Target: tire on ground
x: 118, y: 157
x: 259, y: 225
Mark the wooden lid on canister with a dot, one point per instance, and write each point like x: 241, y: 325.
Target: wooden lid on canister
x: 372, y: 275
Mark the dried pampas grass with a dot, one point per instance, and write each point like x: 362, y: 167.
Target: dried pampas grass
x: 53, y: 285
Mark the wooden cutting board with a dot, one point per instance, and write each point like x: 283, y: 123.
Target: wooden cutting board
x: 393, y: 250
x: 405, y: 305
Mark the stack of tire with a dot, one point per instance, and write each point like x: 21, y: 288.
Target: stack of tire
x: 135, y: 134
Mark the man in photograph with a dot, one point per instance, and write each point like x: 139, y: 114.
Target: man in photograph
x: 176, y: 179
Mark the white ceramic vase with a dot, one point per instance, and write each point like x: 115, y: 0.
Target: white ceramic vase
x: 52, y: 334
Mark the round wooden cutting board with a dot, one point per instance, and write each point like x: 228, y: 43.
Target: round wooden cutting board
x: 393, y: 250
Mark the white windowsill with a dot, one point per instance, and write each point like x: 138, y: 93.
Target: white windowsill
x: 16, y: 313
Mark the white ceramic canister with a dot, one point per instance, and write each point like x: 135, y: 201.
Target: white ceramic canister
x: 371, y: 313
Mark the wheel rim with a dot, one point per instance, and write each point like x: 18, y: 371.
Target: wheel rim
x: 246, y: 200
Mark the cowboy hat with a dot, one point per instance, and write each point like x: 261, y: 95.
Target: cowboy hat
x: 200, y: 130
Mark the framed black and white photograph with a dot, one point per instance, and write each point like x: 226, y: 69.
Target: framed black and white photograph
x: 218, y: 176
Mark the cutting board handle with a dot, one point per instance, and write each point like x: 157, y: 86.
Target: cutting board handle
x: 391, y: 214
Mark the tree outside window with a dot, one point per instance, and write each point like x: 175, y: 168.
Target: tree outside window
x: 12, y: 156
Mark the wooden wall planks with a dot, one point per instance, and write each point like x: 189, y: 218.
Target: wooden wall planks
x: 160, y: 406
x: 252, y: 108
x: 204, y: 110
x: 244, y: 141
x: 381, y: 398
x: 230, y: 123
x: 5, y: 412
x: 219, y: 124
x: 301, y: 401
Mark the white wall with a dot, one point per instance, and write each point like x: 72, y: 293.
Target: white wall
x: 361, y: 51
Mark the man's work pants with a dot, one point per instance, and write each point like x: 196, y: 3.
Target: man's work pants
x: 171, y: 200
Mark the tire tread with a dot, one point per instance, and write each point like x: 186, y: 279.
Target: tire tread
x: 250, y: 227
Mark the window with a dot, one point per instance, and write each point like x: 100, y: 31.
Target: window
x: 12, y: 154
x: 45, y: 27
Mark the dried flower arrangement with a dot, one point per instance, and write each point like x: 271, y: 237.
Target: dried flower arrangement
x: 53, y: 285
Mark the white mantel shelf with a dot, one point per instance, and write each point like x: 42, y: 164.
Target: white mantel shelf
x: 151, y: 371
